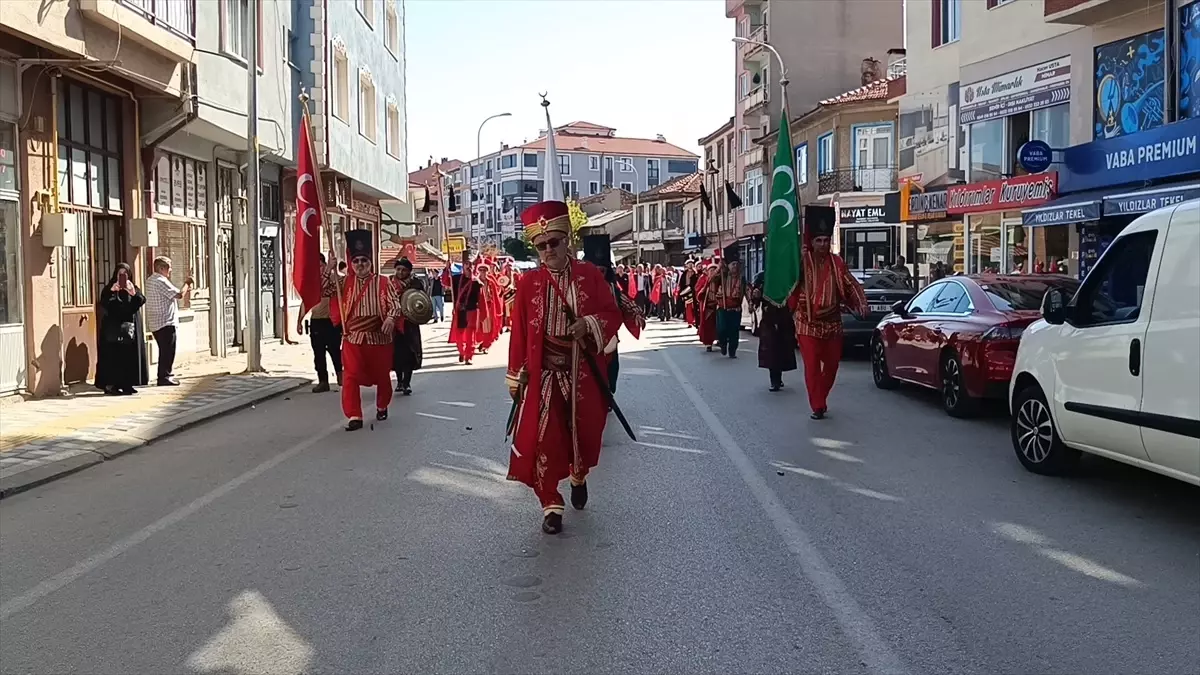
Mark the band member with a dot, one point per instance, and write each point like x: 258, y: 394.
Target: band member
x: 406, y: 343
x: 826, y: 288
x: 323, y: 336
x: 489, y: 304
x: 687, y: 293
x: 564, y: 316
x: 776, y: 335
x: 465, y: 324
x: 731, y: 291
x: 597, y: 250
x: 706, y: 294
x: 657, y: 279
x: 371, y: 311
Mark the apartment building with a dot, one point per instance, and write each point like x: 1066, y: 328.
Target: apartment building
x: 660, y: 220
x: 719, y: 228
x: 433, y: 176
x: 591, y: 157
x: 827, y: 48
x: 1085, y: 78
x: 140, y: 108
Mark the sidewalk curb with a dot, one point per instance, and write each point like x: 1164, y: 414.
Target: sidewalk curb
x: 142, y: 436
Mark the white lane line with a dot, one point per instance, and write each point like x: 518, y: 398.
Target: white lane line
x: 437, y: 417
x: 692, y: 451
x: 458, y: 404
x: 858, y: 627
x: 60, y: 580
x: 840, y: 456
x: 646, y: 428
x: 669, y: 434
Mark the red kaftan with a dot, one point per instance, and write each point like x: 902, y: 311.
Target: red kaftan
x: 558, y: 384
x: 706, y: 291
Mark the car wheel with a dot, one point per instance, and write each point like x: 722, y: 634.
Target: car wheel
x: 879, y: 369
x: 1034, y: 437
x: 955, y: 399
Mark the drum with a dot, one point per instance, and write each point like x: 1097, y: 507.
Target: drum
x: 416, y: 306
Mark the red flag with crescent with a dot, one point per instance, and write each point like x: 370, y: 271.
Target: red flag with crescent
x: 306, y: 272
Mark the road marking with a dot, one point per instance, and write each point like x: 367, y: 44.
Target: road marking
x: 672, y: 447
x: 62, y: 579
x: 437, y: 417
x: 840, y: 456
x: 670, y: 434
x: 458, y: 404
x: 646, y: 428
x: 877, y: 655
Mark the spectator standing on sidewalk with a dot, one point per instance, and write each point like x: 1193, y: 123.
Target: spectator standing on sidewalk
x: 323, y: 336
x: 436, y: 293
x: 162, y: 315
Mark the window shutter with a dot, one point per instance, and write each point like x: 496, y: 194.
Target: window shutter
x: 937, y: 22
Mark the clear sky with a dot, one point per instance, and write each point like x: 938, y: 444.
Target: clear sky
x: 645, y: 67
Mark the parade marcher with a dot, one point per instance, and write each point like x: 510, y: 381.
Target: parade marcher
x: 406, y: 343
x: 731, y: 291
x: 687, y: 293
x: 489, y: 306
x: 826, y: 288
x: 564, y: 316
x: 776, y: 336
x: 658, y: 277
x: 368, y: 310
x: 324, y: 336
x: 706, y: 292
x: 465, y: 321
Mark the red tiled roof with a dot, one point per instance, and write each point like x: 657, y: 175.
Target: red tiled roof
x: 427, y: 175
x: 597, y: 145
x: 682, y: 185
x: 873, y: 91
x: 590, y: 126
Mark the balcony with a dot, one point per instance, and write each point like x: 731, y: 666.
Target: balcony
x: 754, y: 50
x: 753, y: 157
x: 755, y: 100
x: 166, y: 26
x: 734, y: 7
x: 858, y: 179
x: 1089, y: 12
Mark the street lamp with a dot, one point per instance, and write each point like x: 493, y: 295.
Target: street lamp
x: 637, y: 194
x: 479, y: 136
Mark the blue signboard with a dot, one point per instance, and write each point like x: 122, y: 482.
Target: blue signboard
x: 1149, y: 200
x: 1060, y: 214
x: 1171, y: 150
x: 1035, y: 156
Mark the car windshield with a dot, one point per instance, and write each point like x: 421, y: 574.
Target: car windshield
x: 1025, y: 295
x: 881, y: 280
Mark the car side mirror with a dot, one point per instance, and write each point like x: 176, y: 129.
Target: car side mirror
x: 1054, y: 307
x: 899, y: 310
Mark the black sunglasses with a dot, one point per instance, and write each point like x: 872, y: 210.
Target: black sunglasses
x: 360, y: 261
x: 548, y: 244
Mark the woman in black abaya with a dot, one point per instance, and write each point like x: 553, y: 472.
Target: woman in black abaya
x: 120, y: 346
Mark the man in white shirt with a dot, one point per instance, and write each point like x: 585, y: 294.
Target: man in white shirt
x: 162, y: 315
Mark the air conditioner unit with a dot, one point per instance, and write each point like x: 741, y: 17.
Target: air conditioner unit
x: 143, y: 232
x: 60, y: 229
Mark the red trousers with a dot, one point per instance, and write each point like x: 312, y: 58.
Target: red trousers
x: 821, y: 358
x: 364, y: 366
x: 465, y: 341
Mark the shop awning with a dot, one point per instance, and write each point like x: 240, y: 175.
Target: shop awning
x: 1079, y: 207
x: 1145, y: 201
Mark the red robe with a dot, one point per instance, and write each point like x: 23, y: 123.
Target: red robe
x: 707, y: 326
x: 489, y: 311
x: 558, y: 385
x: 656, y: 288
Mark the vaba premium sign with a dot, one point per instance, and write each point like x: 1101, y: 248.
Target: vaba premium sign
x: 888, y: 212
x: 919, y: 206
x: 1162, y: 152
x: 1002, y: 195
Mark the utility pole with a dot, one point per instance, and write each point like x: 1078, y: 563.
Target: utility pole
x: 254, y: 292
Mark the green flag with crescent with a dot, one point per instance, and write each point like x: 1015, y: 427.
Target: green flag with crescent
x: 783, y: 224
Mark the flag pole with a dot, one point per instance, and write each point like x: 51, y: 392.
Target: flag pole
x: 312, y: 152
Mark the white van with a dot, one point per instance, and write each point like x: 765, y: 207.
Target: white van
x: 1115, y: 371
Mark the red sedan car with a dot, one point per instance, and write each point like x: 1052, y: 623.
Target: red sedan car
x: 959, y: 335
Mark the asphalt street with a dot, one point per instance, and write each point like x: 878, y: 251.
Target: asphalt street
x: 736, y: 536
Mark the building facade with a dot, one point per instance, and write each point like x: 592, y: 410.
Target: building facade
x: 660, y: 220
x: 719, y: 227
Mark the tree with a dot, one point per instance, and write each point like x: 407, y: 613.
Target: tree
x: 517, y: 248
x: 578, y: 220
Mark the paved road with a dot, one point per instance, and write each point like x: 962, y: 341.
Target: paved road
x: 737, y: 536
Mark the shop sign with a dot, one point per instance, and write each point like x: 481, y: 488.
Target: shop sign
x: 454, y: 245
x: 1149, y: 200
x: 1071, y: 213
x: 888, y: 212
x: 1040, y: 86
x: 918, y: 206
x: 1170, y: 150
x: 1002, y: 195
x: 1035, y: 156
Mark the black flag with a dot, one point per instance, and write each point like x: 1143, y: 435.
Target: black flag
x: 427, y: 204
x: 451, y: 202
x: 730, y: 194
x: 704, y: 199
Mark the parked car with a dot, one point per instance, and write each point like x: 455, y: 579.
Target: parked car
x: 959, y: 335
x: 883, y: 289
x: 1115, y: 370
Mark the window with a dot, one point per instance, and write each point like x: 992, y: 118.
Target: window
x: 367, y: 9
x: 1027, y: 294
x: 745, y: 84
x: 341, y: 84
x: 180, y: 186
x: 593, y: 162
x: 89, y: 168
x: 952, y: 299
x: 924, y: 300
x: 593, y: 187
x: 393, y: 129
x: 1052, y: 125
x: 391, y: 28
x: 652, y: 176
x: 197, y: 255
x: 993, y: 4
x: 947, y: 21
x: 570, y: 188
x: 674, y: 214
x: 564, y: 165
x: 366, y: 106
x: 531, y: 161
x: 675, y: 166
x: 728, y: 153
x: 626, y: 165
x: 628, y: 187
x: 720, y: 154
x: 987, y: 157
x: 825, y: 154
x: 802, y: 164
x: 1113, y: 290
x: 269, y: 197
x: 652, y: 217
x: 508, y: 161
x: 234, y: 14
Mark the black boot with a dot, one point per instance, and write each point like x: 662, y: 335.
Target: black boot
x: 354, y: 425
x: 579, y: 495
x: 818, y: 414
x: 552, y: 523
x: 321, y: 387
x: 381, y: 415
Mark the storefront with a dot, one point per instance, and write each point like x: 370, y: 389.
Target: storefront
x: 870, y: 236
x: 996, y: 240
x: 936, y: 240
x: 12, y: 330
x: 1108, y: 183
